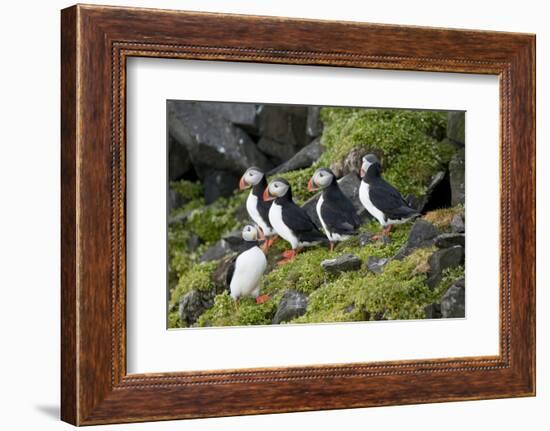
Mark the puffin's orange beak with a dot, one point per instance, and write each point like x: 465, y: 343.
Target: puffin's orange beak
x: 310, y: 186
x: 267, y: 196
x: 242, y: 184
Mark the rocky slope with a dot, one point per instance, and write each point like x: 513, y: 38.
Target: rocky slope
x: 417, y: 274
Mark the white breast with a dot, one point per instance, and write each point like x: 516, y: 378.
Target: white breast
x: 276, y: 220
x: 249, y: 268
x: 252, y: 209
x: 364, y: 197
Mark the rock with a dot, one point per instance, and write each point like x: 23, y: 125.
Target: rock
x: 433, y: 311
x: 456, y: 127
x: 302, y: 159
x: 438, y: 194
x: 193, y: 304
x: 193, y: 242
x: 350, y: 164
x: 376, y: 265
x: 218, y: 184
x: 343, y: 263
x: 285, y: 124
x: 179, y: 162
x: 453, y: 301
x: 441, y: 260
x: 350, y: 187
x: 365, y: 238
x: 244, y: 115
x: 216, y: 251
x: 293, y: 304
x: 314, y: 125
x: 276, y: 150
x: 213, y: 142
x: 446, y: 240
x: 180, y: 218
x: 422, y: 235
x: 456, y: 177
x: 457, y: 224
x: 175, y: 200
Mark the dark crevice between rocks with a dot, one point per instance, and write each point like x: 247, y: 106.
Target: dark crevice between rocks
x: 440, y: 197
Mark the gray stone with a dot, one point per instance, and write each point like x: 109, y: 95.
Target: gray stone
x: 454, y: 299
x: 179, y: 162
x: 343, y: 263
x: 244, y: 115
x: 193, y: 304
x: 218, y: 184
x: 433, y: 311
x: 175, y: 200
x: 284, y: 123
x: 457, y: 224
x: 180, y: 218
x: 293, y: 304
x: 314, y: 126
x: 276, y: 150
x: 457, y: 178
x: 376, y: 265
x: 422, y: 235
x: 216, y: 251
x: 456, y: 127
x: 302, y: 159
x: 365, y: 238
x: 446, y: 240
x: 441, y: 260
x: 213, y: 143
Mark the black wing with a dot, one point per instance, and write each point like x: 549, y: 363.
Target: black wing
x: 388, y: 200
x: 230, y: 272
x: 340, y: 215
x: 299, y: 222
x: 263, y: 209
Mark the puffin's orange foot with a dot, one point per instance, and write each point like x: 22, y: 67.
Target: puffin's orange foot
x: 262, y: 298
x: 288, y: 253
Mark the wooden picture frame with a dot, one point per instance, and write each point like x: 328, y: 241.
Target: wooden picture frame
x: 95, y: 43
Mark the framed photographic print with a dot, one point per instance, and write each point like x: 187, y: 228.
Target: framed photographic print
x: 317, y: 215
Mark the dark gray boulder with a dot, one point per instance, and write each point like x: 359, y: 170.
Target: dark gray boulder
x: 365, y: 238
x: 293, y: 304
x: 218, y: 184
x: 446, y: 240
x: 285, y: 124
x: 457, y: 178
x: 276, y: 150
x: 302, y: 159
x: 456, y: 127
x: 219, y: 275
x: 441, y: 260
x: 213, y: 143
x: 175, y: 200
x: 433, y: 311
x: 216, y: 251
x: 422, y: 235
x: 179, y: 162
x: 244, y: 115
x: 343, y: 263
x: 314, y: 126
x: 193, y: 304
x: 453, y: 302
x: 457, y: 224
x: 376, y: 265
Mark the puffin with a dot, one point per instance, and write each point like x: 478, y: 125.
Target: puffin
x: 289, y: 220
x: 335, y: 210
x: 246, y: 270
x: 256, y: 206
x: 381, y: 199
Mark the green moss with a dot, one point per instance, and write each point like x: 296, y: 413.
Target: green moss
x: 227, y: 312
x: 187, y: 189
x: 197, y: 277
x: 407, y: 142
x: 442, y: 217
